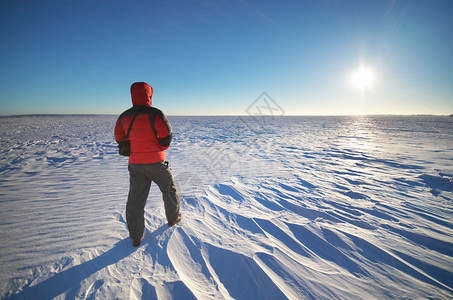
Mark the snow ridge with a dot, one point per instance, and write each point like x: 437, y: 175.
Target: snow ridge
x: 326, y: 208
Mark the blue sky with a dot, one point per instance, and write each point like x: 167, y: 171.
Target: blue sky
x: 217, y: 57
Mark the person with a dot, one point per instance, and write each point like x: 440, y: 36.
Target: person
x: 150, y: 136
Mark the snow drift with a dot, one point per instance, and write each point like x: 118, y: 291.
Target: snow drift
x: 287, y: 207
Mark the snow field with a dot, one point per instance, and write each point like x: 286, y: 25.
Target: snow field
x: 297, y: 208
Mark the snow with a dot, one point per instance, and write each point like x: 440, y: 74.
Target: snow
x: 274, y: 208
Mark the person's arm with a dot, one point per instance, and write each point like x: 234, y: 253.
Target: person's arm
x: 163, y: 130
x: 119, y: 131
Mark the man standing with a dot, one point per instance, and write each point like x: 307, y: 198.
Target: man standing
x: 150, y: 135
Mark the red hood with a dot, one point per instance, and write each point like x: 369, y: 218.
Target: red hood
x: 141, y: 93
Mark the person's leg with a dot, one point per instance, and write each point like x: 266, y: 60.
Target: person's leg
x: 139, y: 187
x: 163, y: 177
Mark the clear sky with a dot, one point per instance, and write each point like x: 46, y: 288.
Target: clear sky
x: 216, y: 57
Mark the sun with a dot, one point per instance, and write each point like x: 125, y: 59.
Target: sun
x: 363, y: 78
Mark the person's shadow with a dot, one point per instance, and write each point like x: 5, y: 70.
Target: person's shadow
x: 68, y: 279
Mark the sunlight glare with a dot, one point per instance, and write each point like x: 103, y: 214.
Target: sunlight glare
x: 363, y: 78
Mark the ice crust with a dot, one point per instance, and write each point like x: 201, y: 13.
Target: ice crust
x: 274, y: 208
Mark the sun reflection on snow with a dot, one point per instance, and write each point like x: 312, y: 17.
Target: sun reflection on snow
x: 359, y: 134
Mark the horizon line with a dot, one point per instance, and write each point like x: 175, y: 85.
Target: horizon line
x: 219, y: 115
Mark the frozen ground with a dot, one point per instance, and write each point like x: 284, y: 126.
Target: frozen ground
x: 289, y: 207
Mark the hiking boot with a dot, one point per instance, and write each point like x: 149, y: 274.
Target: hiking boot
x: 176, y: 221
x: 136, y: 242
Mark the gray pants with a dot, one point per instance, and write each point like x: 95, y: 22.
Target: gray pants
x: 141, y: 176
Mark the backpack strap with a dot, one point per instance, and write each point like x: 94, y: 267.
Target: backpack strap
x: 133, y: 119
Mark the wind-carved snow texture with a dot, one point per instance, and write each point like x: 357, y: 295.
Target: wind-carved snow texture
x: 297, y: 208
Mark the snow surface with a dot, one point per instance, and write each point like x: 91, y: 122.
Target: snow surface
x: 274, y: 208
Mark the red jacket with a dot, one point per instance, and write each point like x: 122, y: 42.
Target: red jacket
x: 151, y: 132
